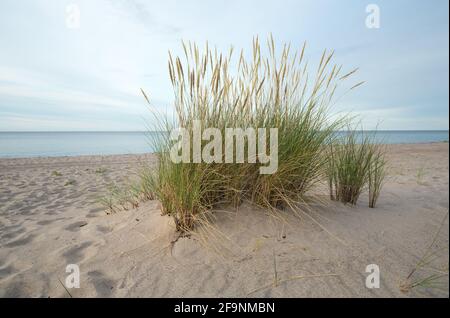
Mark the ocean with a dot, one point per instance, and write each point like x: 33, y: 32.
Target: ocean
x: 51, y: 144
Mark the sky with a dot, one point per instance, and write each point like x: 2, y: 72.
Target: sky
x: 58, y: 73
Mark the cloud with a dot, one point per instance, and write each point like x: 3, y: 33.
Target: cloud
x: 20, y: 122
x: 26, y: 84
x: 140, y: 12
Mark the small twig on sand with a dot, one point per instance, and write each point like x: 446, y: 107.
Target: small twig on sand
x: 65, y: 288
x: 275, y: 281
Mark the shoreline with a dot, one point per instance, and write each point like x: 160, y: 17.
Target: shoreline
x: 152, y: 153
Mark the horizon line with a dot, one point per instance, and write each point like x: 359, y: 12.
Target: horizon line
x: 146, y: 131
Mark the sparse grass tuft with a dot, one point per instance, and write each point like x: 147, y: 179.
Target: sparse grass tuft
x: 108, y: 203
x: 69, y: 182
x: 145, y: 186
x: 435, y: 279
x: 420, y: 176
x: 100, y: 170
x: 128, y: 196
x: 56, y: 173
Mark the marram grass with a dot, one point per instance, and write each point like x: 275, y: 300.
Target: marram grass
x: 274, y: 89
x: 356, y: 162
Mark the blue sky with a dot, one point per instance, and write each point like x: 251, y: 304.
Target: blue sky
x: 55, y: 78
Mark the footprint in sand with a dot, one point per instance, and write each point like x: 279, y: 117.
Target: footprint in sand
x: 74, y: 227
x: 95, y: 212
x: 14, y: 290
x: 102, y: 284
x: 104, y: 229
x: 82, y: 252
x: 21, y: 241
x: 76, y: 253
x: 47, y: 222
x: 11, y: 234
x: 6, y: 271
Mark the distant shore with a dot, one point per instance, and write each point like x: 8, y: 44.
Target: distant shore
x: 144, y: 154
x: 50, y: 216
x: 58, y: 144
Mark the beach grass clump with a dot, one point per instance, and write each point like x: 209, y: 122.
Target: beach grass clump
x: 356, y: 162
x: 185, y: 190
x: 420, y: 175
x: 179, y: 188
x: 100, y: 170
x: 266, y: 89
x: 56, y: 173
x: 69, y: 182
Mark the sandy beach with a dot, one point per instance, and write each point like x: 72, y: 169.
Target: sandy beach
x: 50, y: 217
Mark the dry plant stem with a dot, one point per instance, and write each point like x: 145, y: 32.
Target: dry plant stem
x: 65, y: 288
x: 424, y: 260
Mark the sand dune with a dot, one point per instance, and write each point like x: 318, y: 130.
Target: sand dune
x: 50, y: 217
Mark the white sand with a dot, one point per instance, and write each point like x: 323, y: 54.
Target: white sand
x: 47, y: 223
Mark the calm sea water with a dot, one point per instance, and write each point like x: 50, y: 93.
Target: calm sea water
x: 49, y: 144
